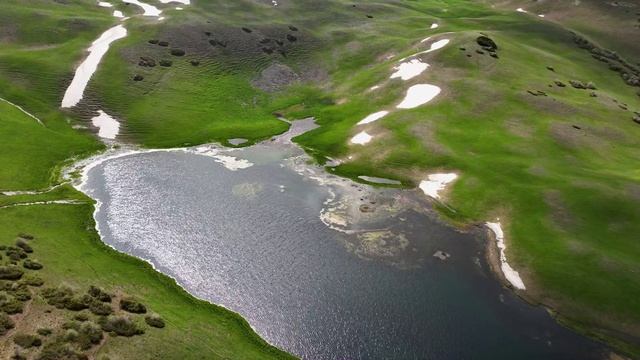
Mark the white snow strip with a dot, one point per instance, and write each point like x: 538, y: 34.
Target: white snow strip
x: 179, y: 8
x: 521, y: 10
x: 374, y: 87
x: 361, y: 138
x: 23, y: 110
x: 409, y: 69
x: 419, y: 95
x: 108, y: 127
x: 434, y: 26
x: 104, y: 4
x: 509, y: 273
x: 436, y: 183
x: 83, y: 74
x: 118, y: 14
x: 425, y: 39
x: 373, y: 117
x: 541, y: 15
x: 149, y: 10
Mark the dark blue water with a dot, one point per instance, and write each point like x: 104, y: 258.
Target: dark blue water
x: 236, y: 238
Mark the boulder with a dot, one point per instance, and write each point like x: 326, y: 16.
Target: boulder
x: 247, y: 30
x: 146, y: 61
x: 166, y: 63
x: 636, y: 119
x: 559, y: 83
x: 195, y: 62
x: 154, y: 41
x: 163, y: 43
x: 138, y: 78
x: 293, y: 28
x: 291, y: 38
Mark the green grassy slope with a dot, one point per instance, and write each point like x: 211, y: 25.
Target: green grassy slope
x: 558, y: 170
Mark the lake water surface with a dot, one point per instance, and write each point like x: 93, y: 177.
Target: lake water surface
x: 252, y: 240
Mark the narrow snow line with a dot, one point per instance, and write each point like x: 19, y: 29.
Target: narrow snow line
x: 50, y: 202
x: 373, y: 117
x: 509, y: 273
x: 361, y: 138
x: 23, y: 110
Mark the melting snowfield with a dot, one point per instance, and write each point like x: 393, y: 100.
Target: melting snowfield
x: 435, y: 183
x: 419, y: 95
x: 83, y: 74
x: 510, y: 274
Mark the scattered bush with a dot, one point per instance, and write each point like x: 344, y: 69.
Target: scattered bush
x: 146, y: 61
x: 44, y: 332
x: 6, y: 323
x: 132, y: 306
x: 31, y: 265
x: 10, y: 304
x: 82, y: 317
x: 293, y: 28
x: 99, y: 294
x: 154, y: 320
x: 32, y: 280
x: 70, y: 335
x: 177, y: 52
x: 291, y: 38
x: 18, y: 356
x: 59, y: 350
x: 121, y: 326
x: 22, y: 244
x: 153, y: 41
x: 195, y: 62
x: 487, y: 43
x: 90, y: 334
x: 63, y: 298
x: 138, y: 78
x: 10, y: 273
x: 27, y: 341
x: 163, y: 43
x: 26, y: 236
x: 15, y: 253
x: 166, y: 63
x: 100, y: 308
x: 247, y: 30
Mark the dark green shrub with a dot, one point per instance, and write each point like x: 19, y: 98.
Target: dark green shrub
x: 121, y: 326
x: 166, y: 63
x: 57, y: 296
x: 177, y: 52
x: 44, y: 332
x: 154, y: 320
x: 31, y: 265
x: 78, y: 303
x: 9, y: 304
x: 15, y: 254
x: 10, y: 273
x: 132, y: 306
x: 22, y: 244
x: 32, y: 280
x: 59, y: 350
x: 27, y: 341
x: 100, y: 308
x: 90, y: 334
x: 25, y: 236
x: 82, y: 317
x: 6, y: 323
x: 99, y: 294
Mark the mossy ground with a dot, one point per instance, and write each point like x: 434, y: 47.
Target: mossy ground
x: 558, y: 170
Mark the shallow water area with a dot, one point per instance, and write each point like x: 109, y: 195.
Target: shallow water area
x: 367, y: 286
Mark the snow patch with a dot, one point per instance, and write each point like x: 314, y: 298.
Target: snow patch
x: 83, y: 74
x: 521, y: 10
x: 434, y: 26
x: 409, y: 69
x: 436, y: 183
x: 361, y: 138
x: 419, y: 95
x: 373, y: 117
x: 108, y: 127
x: 118, y: 14
x: 104, y: 4
x: 509, y: 273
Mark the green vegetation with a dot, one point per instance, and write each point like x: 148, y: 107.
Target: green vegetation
x: 556, y: 164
